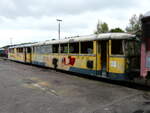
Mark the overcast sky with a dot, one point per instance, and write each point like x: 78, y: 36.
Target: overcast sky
x: 35, y: 20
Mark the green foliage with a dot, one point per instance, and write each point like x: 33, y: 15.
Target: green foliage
x: 116, y: 30
x: 134, y: 24
x: 102, y: 27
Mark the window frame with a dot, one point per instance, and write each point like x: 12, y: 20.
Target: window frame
x: 123, y: 49
x: 20, y: 50
x: 64, y: 49
x: 57, y: 50
x: 87, y: 52
x: 29, y: 48
x: 78, y: 48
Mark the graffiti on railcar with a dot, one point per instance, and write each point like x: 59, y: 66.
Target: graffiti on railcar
x: 68, y: 61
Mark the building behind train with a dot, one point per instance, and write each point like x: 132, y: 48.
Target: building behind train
x: 145, y: 46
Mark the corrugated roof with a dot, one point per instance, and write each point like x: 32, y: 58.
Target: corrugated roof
x: 23, y: 45
x: 104, y: 36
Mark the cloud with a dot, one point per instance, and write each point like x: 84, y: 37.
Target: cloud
x: 35, y: 20
x: 38, y: 8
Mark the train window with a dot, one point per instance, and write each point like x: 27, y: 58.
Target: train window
x: 55, y: 48
x: 12, y: 50
x: 42, y: 50
x: 37, y: 49
x: 116, y: 47
x: 74, y: 47
x: 28, y: 50
x: 33, y: 49
x: 47, y: 49
x: 87, y: 47
x: 99, y: 47
x: 64, y: 48
x: 19, y: 50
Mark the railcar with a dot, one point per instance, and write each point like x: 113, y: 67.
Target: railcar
x: 3, y: 52
x: 21, y: 53
x: 109, y: 55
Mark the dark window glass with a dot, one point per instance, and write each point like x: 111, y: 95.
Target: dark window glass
x: 17, y: 50
x: 21, y: 50
x: 74, y: 47
x: 64, y: 48
x: 99, y: 47
x: 55, y: 48
x: 87, y: 47
x: 116, y: 47
x: 28, y: 50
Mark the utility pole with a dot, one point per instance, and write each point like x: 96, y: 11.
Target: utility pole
x: 58, y: 20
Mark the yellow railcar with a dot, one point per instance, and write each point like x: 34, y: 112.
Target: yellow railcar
x: 105, y: 55
x: 21, y: 53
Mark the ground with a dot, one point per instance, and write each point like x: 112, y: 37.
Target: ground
x: 30, y: 89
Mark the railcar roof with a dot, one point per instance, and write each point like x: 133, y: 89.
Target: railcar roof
x: 22, y: 45
x: 104, y: 36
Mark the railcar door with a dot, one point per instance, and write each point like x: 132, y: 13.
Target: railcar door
x: 104, y: 54
x: 28, y: 54
x: 103, y: 58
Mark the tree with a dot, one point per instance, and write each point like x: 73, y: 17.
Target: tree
x: 116, y: 30
x: 134, y: 24
x: 102, y: 27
